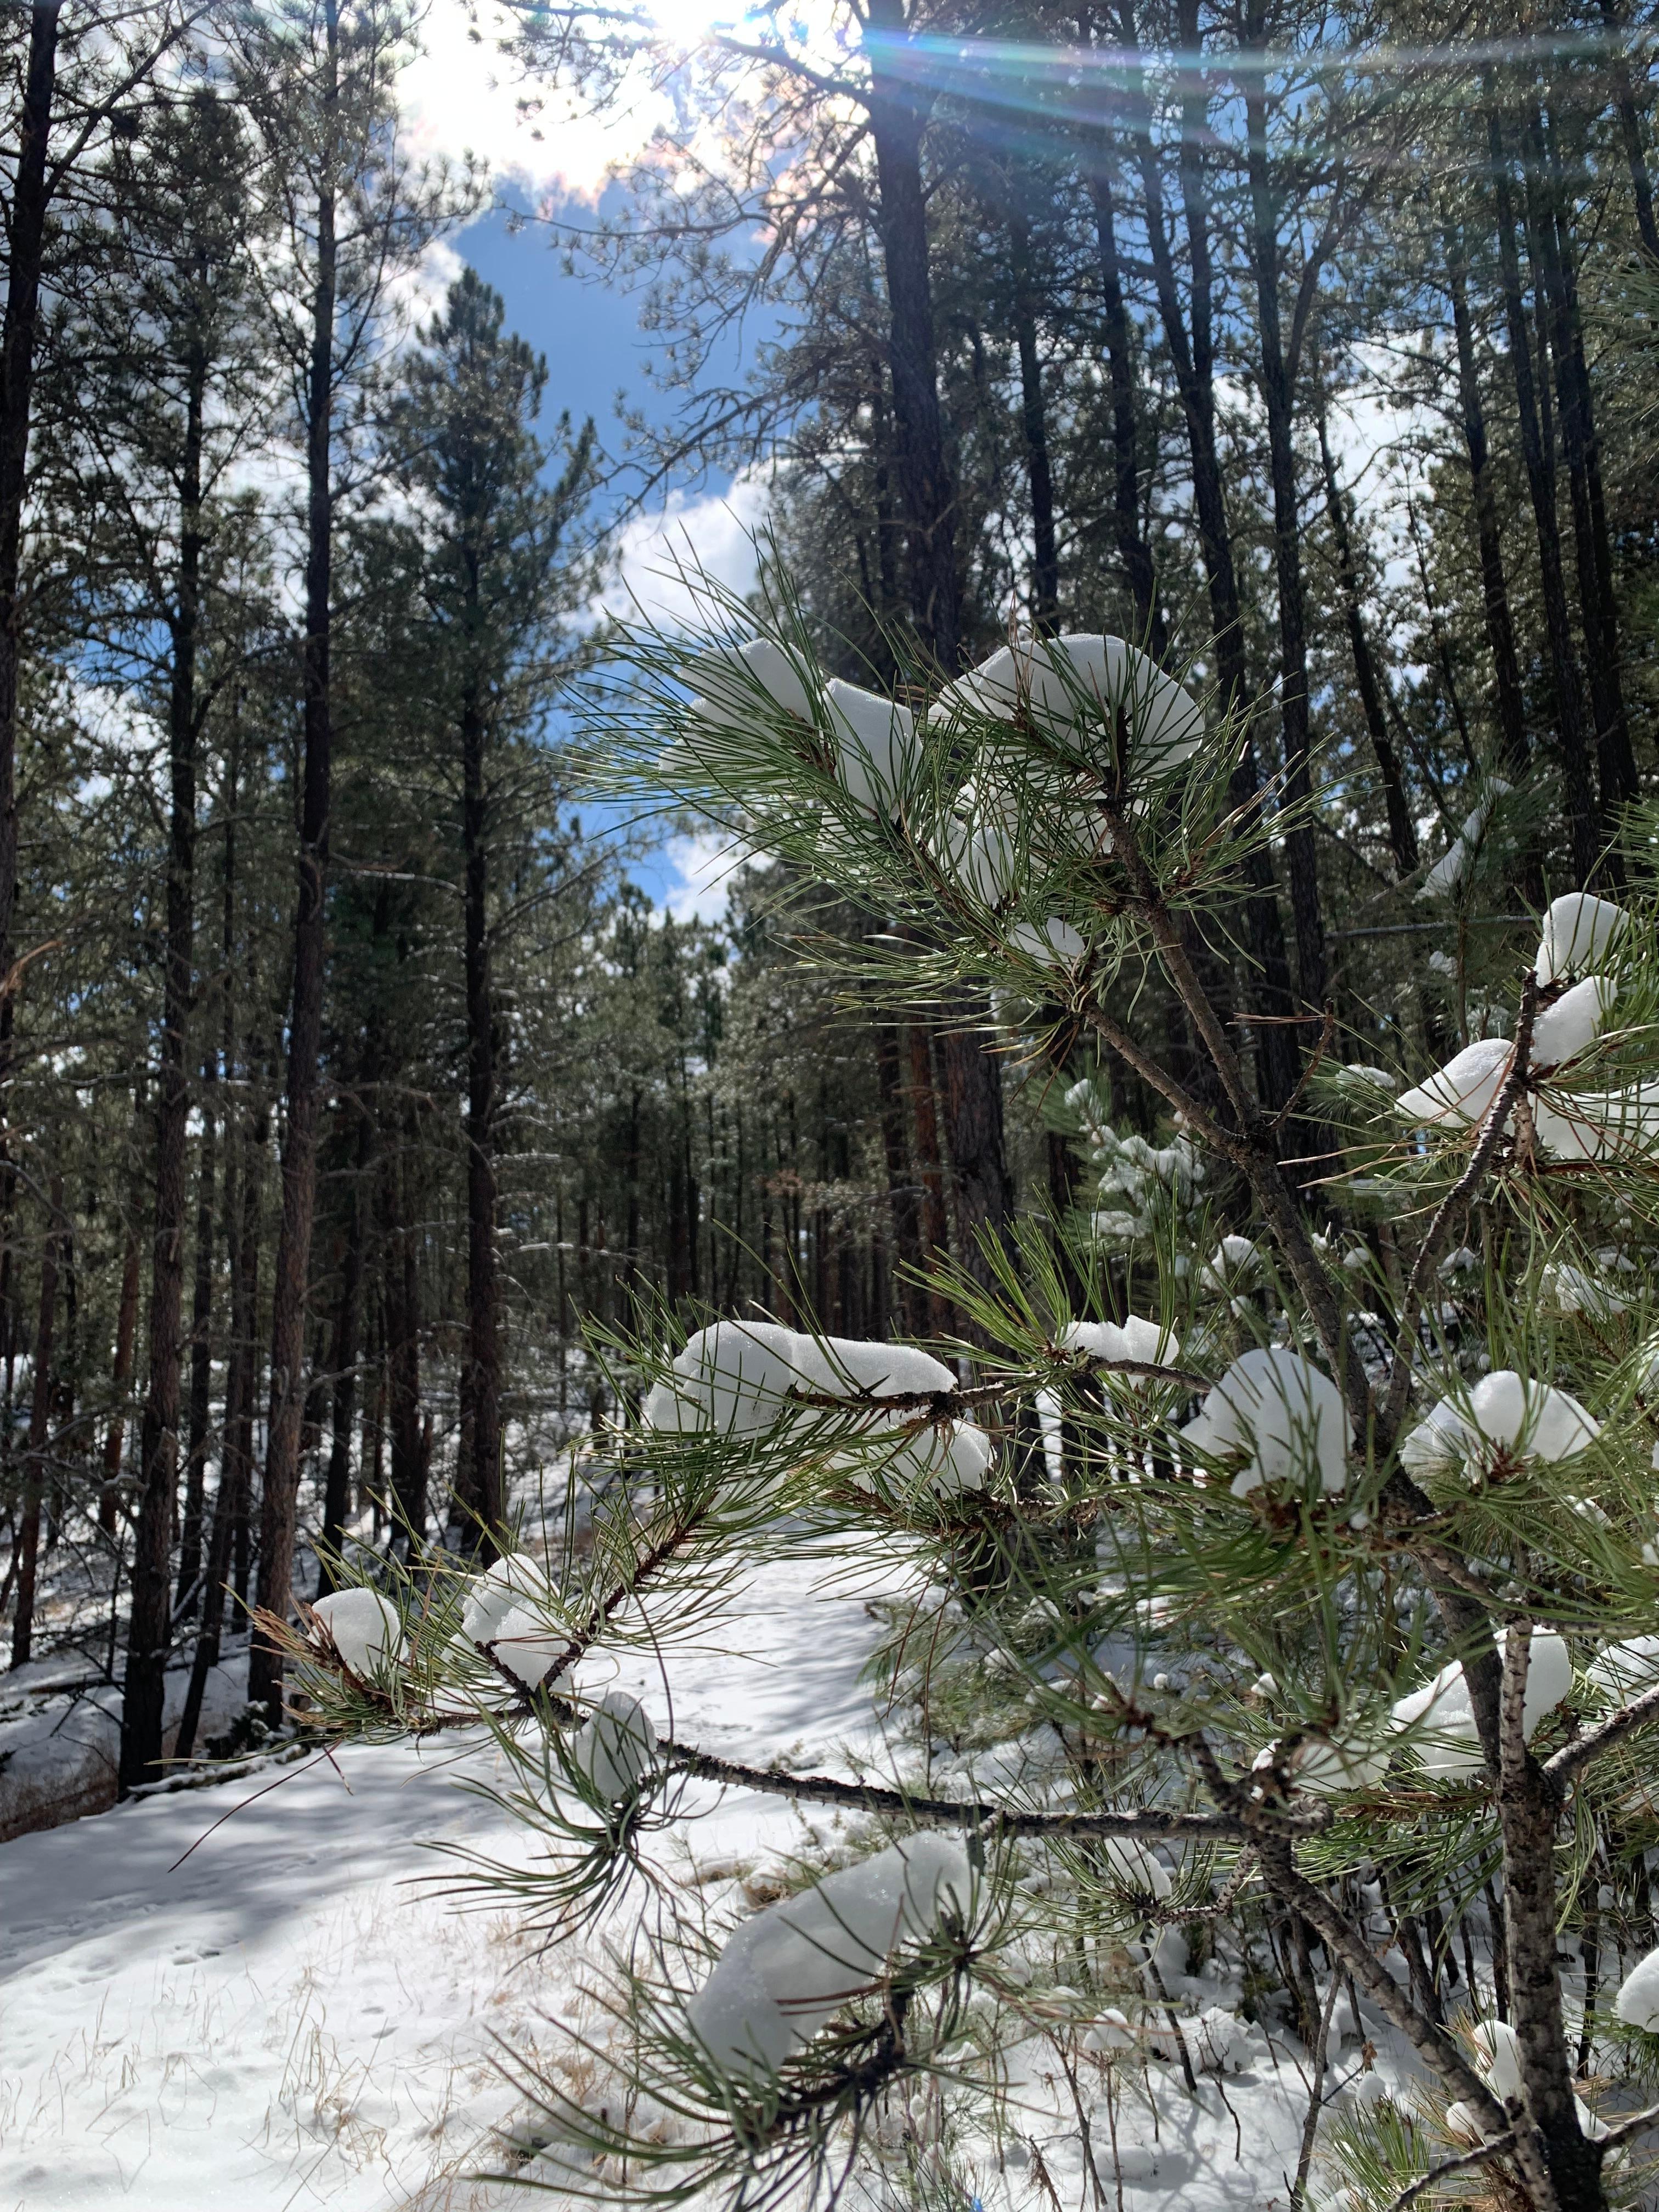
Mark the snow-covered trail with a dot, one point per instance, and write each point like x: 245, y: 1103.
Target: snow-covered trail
x: 291, y: 2017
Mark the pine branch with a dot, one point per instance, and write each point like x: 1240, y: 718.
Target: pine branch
x: 1572, y: 1757
x: 1461, y: 2164
x: 1439, y: 1229
x: 985, y: 1815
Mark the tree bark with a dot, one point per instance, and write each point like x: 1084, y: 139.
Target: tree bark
x: 1402, y: 830
x: 337, y: 1489
x: 1494, y: 586
x: 1630, y: 132
x: 898, y: 116
x: 903, y: 1193
x: 149, y: 1625
x: 201, y: 1361
x: 29, y: 1533
x: 126, y: 1328
x: 483, y: 1376
x: 1045, y: 564
x: 293, y: 1267
x: 402, y: 1293
x: 1194, y: 358
x: 25, y: 246
x: 1578, y: 789
x: 930, y: 1169
x: 1132, y: 550
x: 212, y: 1609
x: 1593, y: 551
x: 1278, y: 379
x: 242, y: 1384
x: 973, y: 1118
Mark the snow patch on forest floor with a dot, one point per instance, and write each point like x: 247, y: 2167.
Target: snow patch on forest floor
x: 293, y: 2014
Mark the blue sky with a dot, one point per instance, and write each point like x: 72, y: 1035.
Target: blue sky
x: 595, y: 350
x: 462, y: 97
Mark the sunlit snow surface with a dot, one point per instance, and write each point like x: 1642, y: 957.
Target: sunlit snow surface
x: 290, y: 2018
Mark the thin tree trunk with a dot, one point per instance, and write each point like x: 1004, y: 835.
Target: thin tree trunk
x: 1193, y: 359
x: 902, y: 1196
x: 245, y: 1331
x: 1278, y: 382
x: 1630, y: 132
x: 149, y: 1625
x: 1540, y: 480
x: 371, y: 1472
x: 29, y: 1533
x: 486, y: 1474
x: 924, y: 1120
x: 982, y: 1186
x: 304, y: 1030
x: 126, y: 1328
x: 337, y: 1490
x: 1133, y: 549
x: 25, y: 241
x: 1495, y: 596
x: 201, y: 1360
x: 898, y: 115
x: 1593, y: 551
x: 1402, y: 830
x: 206, y: 1657
x: 403, y: 1333
x: 1045, y: 567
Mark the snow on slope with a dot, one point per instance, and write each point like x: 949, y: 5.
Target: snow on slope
x: 292, y: 2017
x: 295, y: 2017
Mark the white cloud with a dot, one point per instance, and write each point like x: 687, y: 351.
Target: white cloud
x: 699, y: 868
x: 657, y: 556
x: 464, y: 93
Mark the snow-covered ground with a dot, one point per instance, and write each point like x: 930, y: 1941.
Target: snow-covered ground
x: 292, y: 2016
x: 284, y: 2010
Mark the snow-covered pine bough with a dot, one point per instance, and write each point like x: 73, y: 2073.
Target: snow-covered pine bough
x: 1284, y: 1654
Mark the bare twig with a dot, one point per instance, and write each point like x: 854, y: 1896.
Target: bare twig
x: 1315, y: 2095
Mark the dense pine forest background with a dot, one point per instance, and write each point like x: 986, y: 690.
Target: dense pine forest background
x: 347, y: 1070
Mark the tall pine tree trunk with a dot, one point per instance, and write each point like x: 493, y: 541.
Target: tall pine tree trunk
x: 293, y: 1269
x: 483, y: 1375
x: 1536, y: 449
x: 115, y: 1436
x: 1402, y: 830
x: 25, y: 243
x: 1630, y: 133
x: 401, y: 1297
x: 149, y: 1630
x: 1278, y: 390
x: 898, y: 114
x: 1494, y: 586
x: 201, y: 1362
x: 902, y: 1186
x: 1133, y: 549
x: 244, y: 1331
x: 34, y: 1459
x: 337, y: 1489
x: 1593, y: 550
x: 1045, y: 564
x: 1194, y: 358
x: 930, y: 1166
